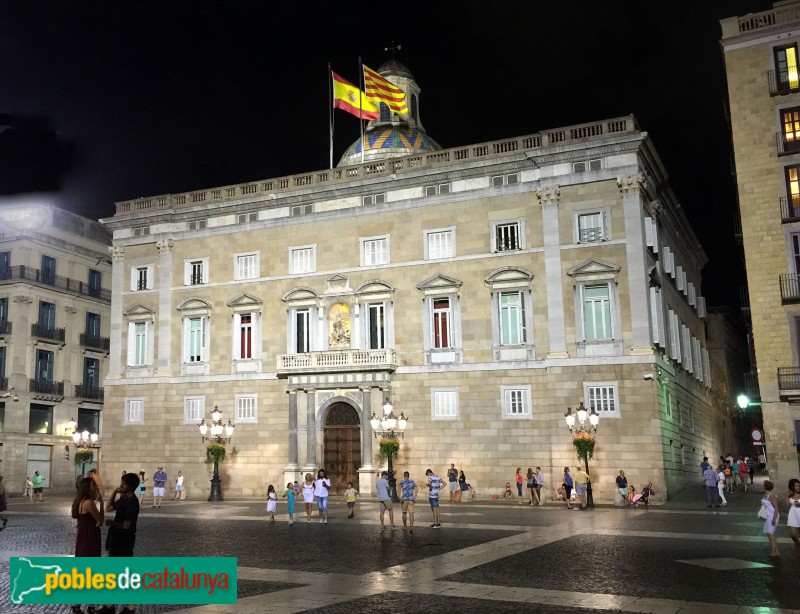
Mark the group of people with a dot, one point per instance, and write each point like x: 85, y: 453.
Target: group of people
x: 770, y: 512
x: 627, y: 492
x: 317, y: 489
x: 457, y: 482
x: 729, y: 474
x: 160, y: 479
x: 533, y: 483
x: 34, y: 486
x: 89, y: 510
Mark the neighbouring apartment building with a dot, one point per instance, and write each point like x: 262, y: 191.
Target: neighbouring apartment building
x: 54, y: 340
x: 761, y: 60
x: 483, y: 289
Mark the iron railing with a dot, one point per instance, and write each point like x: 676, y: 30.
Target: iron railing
x: 89, y: 392
x: 74, y: 286
x: 92, y: 341
x: 40, y: 331
x: 790, y: 288
x: 46, y: 387
x: 790, y: 209
x: 783, y: 81
x: 788, y: 378
x: 590, y: 235
x: 787, y: 143
x: 744, y: 298
x: 751, y: 388
x: 3, y: 383
x: 5, y: 327
x: 196, y: 279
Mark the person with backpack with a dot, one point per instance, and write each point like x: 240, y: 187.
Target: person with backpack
x: 744, y: 470
x: 728, y: 476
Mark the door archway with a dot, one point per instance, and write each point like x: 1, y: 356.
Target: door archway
x: 342, y: 446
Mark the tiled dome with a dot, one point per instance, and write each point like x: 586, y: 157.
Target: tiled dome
x: 389, y: 141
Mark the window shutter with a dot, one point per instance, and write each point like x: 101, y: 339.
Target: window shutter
x: 237, y: 336
x: 655, y: 236
x: 666, y: 261
x: 701, y: 306
x: 186, y: 338
x: 648, y: 231
x: 134, y: 273
x: 131, y: 342
x: 187, y: 273
x: 674, y: 336
x: 679, y: 279
x: 657, y: 317
x: 692, y: 294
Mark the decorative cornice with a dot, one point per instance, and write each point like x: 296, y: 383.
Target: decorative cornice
x: 632, y: 184
x: 549, y: 195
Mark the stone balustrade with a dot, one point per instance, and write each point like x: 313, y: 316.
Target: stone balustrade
x: 336, y: 360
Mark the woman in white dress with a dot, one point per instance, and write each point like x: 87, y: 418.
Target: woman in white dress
x: 793, y: 517
x: 771, y: 506
x: 308, y: 494
x: 272, y: 502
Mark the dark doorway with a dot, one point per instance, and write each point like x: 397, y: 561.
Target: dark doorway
x: 342, y: 446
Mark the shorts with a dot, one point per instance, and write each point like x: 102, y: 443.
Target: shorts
x: 351, y: 504
x: 158, y: 491
x: 580, y: 489
x: 322, y: 503
x: 38, y: 490
x: 453, y: 486
x: 385, y: 504
x: 178, y: 487
x: 408, y: 506
x: 434, y: 501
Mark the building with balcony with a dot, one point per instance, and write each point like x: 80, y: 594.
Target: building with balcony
x: 761, y: 62
x: 484, y: 289
x: 54, y: 339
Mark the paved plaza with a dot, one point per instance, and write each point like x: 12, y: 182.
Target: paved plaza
x: 488, y: 556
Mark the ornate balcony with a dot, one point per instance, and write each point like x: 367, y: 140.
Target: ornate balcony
x: 789, y: 382
x: 73, y: 286
x: 337, y: 361
x: 5, y: 328
x: 87, y: 393
x: 99, y: 343
x: 56, y: 335
x: 787, y: 143
x: 46, y: 387
x: 783, y: 81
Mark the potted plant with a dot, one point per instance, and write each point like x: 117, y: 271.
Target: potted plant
x: 83, y: 455
x: 388, y: 448
x: 215, y: 453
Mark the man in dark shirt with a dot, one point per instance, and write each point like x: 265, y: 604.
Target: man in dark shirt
x: 122, y: 530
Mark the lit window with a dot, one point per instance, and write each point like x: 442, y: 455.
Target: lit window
x: 786, y: 77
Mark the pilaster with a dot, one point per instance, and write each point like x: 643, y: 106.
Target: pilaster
x: 548, y: 198
x: 164, y: 307
x: 311, y: 431
x: 115, y: 330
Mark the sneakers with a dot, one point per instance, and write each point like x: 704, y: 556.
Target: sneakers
x: 433, y: 526
x: 436, y: 526
x: 326, y: 521
x: 393, y: 528
x: 321, y: 521
x: 291, y: 522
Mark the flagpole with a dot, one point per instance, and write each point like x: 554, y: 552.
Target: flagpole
x: 330, y: 111
x: 360, y: 104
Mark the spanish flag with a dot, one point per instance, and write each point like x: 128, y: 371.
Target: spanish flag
x: 348, y: 97
x: 379, y: 89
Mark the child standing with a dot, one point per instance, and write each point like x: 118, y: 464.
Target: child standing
x: 350, y: 496
x: 289, y: 494
x: 272, y: 502
x: 29, y: 489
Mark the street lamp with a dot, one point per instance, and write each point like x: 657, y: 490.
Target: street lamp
x: 82, y: 439
x: 594, y: 420
x: 215, y: 430
x: 385, y: 429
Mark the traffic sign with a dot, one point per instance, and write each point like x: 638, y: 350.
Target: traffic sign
x: 757, y: 435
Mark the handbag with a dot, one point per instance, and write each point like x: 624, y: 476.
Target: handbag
x: 762, y: 512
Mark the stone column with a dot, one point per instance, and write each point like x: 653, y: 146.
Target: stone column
x: 311, y: 431
x: 291, y: 471
x: 548, y: 198
x: 164, y: 307
x: 366, y: 473
x: 117, y: 324
x: 66, y: 356
x: 633, y: 189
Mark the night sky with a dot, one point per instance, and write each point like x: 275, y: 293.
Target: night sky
x: 108, y: 101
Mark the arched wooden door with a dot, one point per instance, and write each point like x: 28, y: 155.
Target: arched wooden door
x: 342, y: 446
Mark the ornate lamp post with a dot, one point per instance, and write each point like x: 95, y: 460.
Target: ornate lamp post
x: 389, y: 445
x: 216, y: 447
x: 584, y: 439
x: 84, y: 442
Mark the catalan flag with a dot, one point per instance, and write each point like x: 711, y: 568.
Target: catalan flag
x: 348, y: 97
x: 379, y: 89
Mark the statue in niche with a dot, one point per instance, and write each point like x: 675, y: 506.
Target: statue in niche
x: 339, y: 322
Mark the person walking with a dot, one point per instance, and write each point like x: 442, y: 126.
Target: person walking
x: 771, y: 521
x: 568, y: 488
x: 519, y: 484
x: 581, y: 485
x: 322, y: 487
x: 289, y: 494
x: 751, y: 467
x: 622, y: 484
x: 408, y: 489
x: 350, y: 496
x: 452, y: 480
x: 38, y: 486
x: 434, y: 486
x: 711, y: 479
x: 141, y: 489
x: 793, y: 517
x: 539, y: 483
x: 744, y: 471
x: 3, y: 504
x: 385, y: 499
x: 159, y: 486
x: 308, y: 494
x: 721, y: 485
x: 90, y: 516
